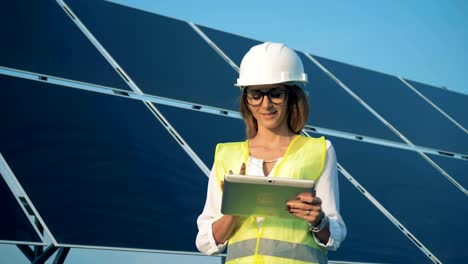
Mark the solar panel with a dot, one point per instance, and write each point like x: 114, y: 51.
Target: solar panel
x: 101, y: 170
x: 203, y: 131
x: 402, y: 107
x: 234, y: 46
x: 456, y: 168
x: 164, y: 56
x: 41, y: 38
x: 333, y: 108
x: 371, y: 237
x: 454, y: 104
x: 14, y: 224
x: 413, y: 191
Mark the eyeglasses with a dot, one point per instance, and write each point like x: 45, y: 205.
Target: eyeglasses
x: 255, y: 97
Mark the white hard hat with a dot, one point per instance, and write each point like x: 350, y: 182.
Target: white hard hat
x: 270, y: 63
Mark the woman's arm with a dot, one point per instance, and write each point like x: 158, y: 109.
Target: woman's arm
x: 223, y: 227
x: 328, y: 190
x: 205, y: 241
x: 214, y: 228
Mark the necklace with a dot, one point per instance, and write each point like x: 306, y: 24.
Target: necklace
x: 271, y: 161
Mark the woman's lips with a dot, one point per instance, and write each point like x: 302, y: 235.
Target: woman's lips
x: 268, y: 115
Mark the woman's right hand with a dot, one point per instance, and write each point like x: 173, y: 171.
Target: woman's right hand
x: 241, y: 172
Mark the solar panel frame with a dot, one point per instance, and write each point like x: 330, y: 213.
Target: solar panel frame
x: 19, y: 228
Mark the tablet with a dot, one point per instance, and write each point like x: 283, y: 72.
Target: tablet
x: 245, y: 195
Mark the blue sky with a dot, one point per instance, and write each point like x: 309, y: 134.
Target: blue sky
x: 423, y: 40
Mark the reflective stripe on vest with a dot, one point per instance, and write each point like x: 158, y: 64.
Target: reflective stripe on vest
x: 276, y: 248
x: 278, y: 240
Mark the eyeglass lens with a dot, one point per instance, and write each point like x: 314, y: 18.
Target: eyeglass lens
x: 276, y: 96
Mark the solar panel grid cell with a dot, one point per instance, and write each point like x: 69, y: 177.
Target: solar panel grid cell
x: 234, y: 45
x: 48, y: 42
x: 454, y: 104
x: 456, y: 168
x: 203, y: 131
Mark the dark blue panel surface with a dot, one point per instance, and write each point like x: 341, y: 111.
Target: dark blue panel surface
x: 100, y: 169
x: 38, y: 36
x: 164, y: 56
x: 202, y: 131
x: 403, y: 108
x: 331, y: 106
x: 371, y: 236
x: 423, y: 200
x: 14, y: 224
x: 453, y: 103
x: 456, y: 168
x: 378, y: 242
x: 234, y: 46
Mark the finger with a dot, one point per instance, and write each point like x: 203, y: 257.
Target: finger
x: 316, y: 201
x: 310, y: 212
x: 314, y: 192
x: 305, y: 197
x: 301, y: 205
x: 222, y: 185
x: 312, y: 217
x: 309, y: 199
x: 307, y: 194
x: 307, y: 212
x: 242, y: 170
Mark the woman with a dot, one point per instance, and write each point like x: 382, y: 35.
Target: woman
x: 275, y: 110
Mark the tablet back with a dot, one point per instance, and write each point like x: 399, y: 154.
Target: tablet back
x: 260, y: 196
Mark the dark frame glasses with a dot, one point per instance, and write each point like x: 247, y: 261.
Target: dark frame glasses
x: 276, y: 96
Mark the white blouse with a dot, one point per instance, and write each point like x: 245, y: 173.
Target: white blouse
x: 326, y: 188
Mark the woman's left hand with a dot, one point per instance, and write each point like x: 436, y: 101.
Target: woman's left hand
x: 306, y: 206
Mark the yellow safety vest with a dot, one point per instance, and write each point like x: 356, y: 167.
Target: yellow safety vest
x: 279, y: 240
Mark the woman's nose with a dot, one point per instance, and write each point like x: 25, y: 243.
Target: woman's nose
x: 266, y: 101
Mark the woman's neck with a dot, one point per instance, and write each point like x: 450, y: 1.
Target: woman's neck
x: 270, y: 137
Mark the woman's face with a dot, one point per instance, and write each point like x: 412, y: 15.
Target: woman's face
x: 268, y: 104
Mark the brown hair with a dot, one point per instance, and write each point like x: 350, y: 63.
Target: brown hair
x: 298, y: 112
